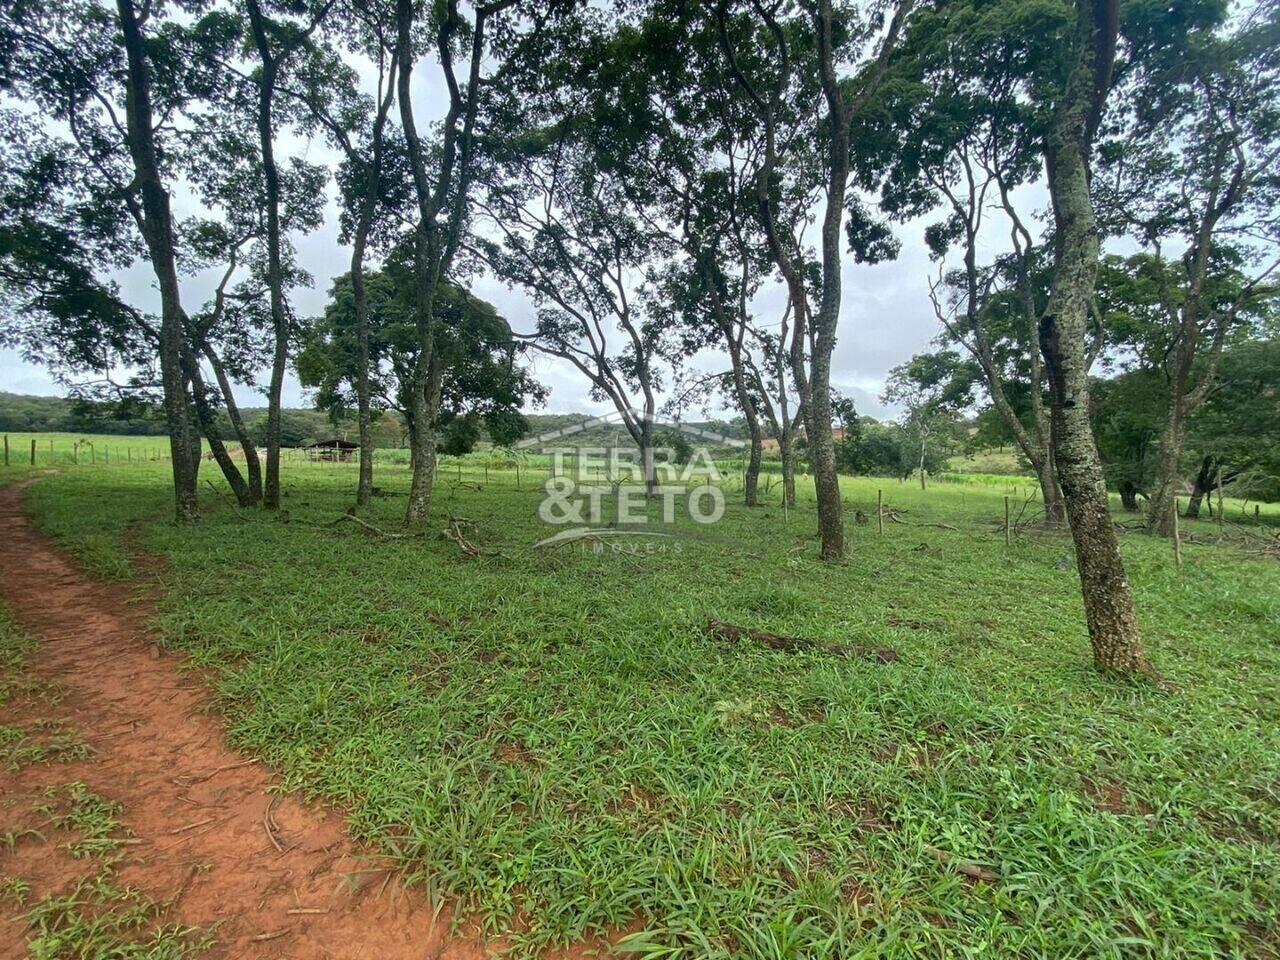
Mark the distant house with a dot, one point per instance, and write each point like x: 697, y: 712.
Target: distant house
x: 335, y: 449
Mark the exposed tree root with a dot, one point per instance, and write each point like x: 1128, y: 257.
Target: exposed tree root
x: 735, y: 634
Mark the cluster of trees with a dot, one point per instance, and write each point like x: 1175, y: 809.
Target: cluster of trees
x: 644, y: 171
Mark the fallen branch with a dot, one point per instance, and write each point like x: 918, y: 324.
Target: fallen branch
x: 964, y: 867
x: 894, y: 517
x: 269, y: 824
x: 774, y: 641
x: 185, y: 781
x: 350, y: 517
x: 453, y: 533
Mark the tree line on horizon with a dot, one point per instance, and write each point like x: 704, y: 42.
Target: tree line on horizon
x: 644, y: 170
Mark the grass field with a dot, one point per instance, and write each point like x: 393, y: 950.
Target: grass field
x: 549, y: 738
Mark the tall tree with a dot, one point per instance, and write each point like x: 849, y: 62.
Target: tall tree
x: 789, y: 66
x: 442, y: 177
x: 959, y: 133
x: 572, y: 236
x: 360, y: 129
x: 1076, y: 113
x: 117, y: 85
x: 1192, y: 167
x: 276, y: 40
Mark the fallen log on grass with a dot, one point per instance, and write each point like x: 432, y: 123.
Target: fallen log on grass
x: 775, y: 641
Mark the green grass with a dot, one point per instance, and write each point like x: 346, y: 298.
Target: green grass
x: 44, y: 740
x: 95, y: 916
x: 547, y: 737
x: 91, y: 816
x: 99, y: 919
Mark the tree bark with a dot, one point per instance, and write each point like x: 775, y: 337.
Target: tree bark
x: 275, y: 269
x: 364, y: 486
x: 253, y: 468
x: 209, y: 425
x: 815, y: 390
x: 1129, y: 496
x: 751, y: 476
x: 787, y: 449
x: 427, y: 380
x: 1203, y: 486
x: 1108, y: 600
x: 156, y: 224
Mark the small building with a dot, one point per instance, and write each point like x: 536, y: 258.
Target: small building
x: 340, y: 450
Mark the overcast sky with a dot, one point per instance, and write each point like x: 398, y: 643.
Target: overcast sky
x: 885, y: 313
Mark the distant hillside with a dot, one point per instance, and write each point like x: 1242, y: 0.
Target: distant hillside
x: 603, y: 435
x: 27, y: 414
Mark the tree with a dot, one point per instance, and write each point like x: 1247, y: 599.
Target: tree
x: 775, y: 59
x: 934, y: 388
x: 276, y: 41
x: 442, y: 179
x: 482, y: 387
x: 571, y: 236
x: 1076, y: 112
x: 1192, y: 166
x: 115, y: 85
x: 359, y: 128
x: 959, y: 134
x: 1236, y: 431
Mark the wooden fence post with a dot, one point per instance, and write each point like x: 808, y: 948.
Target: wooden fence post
x: 33, y: 451
x: 1219, y: 497
x: 1177, y: 536
x: 1006, y: 521
x: 6, y: 449
x: 880, y: 510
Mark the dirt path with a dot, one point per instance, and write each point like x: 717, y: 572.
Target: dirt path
x: 198, y: 809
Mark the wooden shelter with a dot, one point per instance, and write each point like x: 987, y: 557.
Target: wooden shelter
x: 342, y: 450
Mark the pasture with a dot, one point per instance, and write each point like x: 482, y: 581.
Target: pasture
x: 552, y: 743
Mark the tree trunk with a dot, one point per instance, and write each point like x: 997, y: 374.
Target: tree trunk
x: 1129, y: 496
x: 1160, y: 519
x: 422, y: 440
x: 751, y: 479
x: 751, y: 476
x: 252, y: 467
x: 209, y: 424
x: 1203, y: 486
x: 648, y: 464
x: 364, y: 487
x: 822, y: 456
x: 787, y: 448
x: 1054, y: 509
x: 157, y: 229
x: 275, y: 269
x: 923, y: 446
x: 1108, y: 601
x: 428, y: 377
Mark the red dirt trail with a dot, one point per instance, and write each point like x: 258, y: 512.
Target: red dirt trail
x: 198, y: 809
